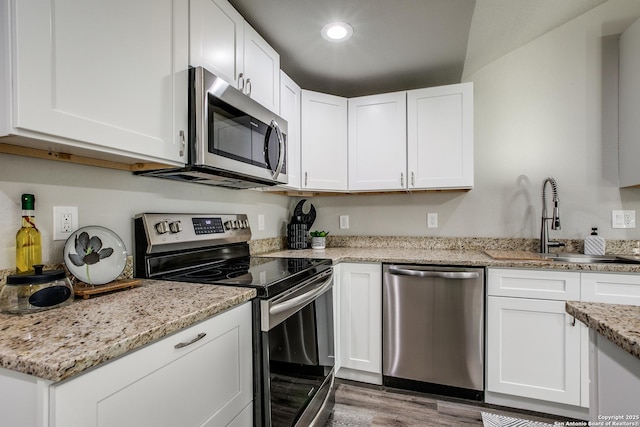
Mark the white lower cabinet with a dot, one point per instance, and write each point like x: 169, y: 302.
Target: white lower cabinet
x: 538, y: 356
x: 359, y: 320
x: 534, y: 348
x: 207, y: 382
x: 612, y: 369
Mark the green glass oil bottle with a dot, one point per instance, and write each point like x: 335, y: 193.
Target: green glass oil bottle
x: 28, y: 238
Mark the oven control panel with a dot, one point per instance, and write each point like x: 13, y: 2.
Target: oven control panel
x: 164, y: 232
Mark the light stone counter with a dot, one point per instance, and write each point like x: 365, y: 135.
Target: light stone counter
x: 619, y: 323
x: 61, y: 342
x: 462, y: 257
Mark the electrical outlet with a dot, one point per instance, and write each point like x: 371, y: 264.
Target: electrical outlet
x: 65, y: 221
x: 432, y: 220
x: 344, y: 222
x: 623, y: 219
x: 261, y: 222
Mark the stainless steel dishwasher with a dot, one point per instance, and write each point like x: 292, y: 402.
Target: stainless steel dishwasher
x: 433, y: 329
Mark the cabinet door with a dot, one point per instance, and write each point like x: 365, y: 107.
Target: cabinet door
x: 440, y: 137
x: 324, y: 141
x: 290, y: 98
x: 261, y: 70
x: 360, y: 322
x: 108, y: 76
x: 533, y: 350
x: 205, y: 383
x: 378, y: 142
x: 216, y: 38
x: 629, y: 101
x: 610, y: 288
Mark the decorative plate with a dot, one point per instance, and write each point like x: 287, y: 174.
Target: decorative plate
x: 95, y: 255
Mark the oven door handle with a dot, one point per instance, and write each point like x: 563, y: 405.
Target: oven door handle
x: 278, y: 310
x: 301, y: 300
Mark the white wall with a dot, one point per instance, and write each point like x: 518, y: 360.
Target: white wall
x: 546, y: 109
x: 112, y: 198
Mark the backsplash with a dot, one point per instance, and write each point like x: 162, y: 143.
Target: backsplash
x: 619, y: 247
x: 264, y: 246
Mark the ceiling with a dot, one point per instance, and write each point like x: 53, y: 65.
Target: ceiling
x: 400, y: 44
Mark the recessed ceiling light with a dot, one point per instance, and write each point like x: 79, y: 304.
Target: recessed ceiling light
x: 337, y: 31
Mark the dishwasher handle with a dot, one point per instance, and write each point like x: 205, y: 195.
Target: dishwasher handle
x: 434, y: 273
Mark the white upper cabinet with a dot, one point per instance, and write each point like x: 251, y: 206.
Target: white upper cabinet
x: 416, y: 140
x: 290, y: 99
x: 629, y: 100
x: 105, y: 79
x: 378, y: 142
x: 324, y: 141
x: 216, y: 38
x: 261, y: 70
x: 225, y: 44
x: 440, y: 137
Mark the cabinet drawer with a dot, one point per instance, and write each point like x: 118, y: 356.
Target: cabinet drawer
x: 207, y: 382
x: 611, y: 288
x: 539, y: 284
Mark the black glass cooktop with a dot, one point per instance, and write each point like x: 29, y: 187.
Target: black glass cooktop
x: 268, y: 275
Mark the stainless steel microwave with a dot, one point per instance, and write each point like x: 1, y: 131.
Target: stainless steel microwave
x: 233, y: 141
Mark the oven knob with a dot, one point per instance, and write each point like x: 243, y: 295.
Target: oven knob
x: 175, y: 227
x: 162, y: 227
x: 227, y: 225
x: 246, y: 223
x: 234, y: 224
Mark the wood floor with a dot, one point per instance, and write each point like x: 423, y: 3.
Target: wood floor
x: 364, y: 405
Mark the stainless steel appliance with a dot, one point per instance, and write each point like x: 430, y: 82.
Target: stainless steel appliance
x: 433, y: 329
x: 292, y: 315
x: 234, y: 141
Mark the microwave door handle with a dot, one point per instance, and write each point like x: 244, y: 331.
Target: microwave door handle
x: 281, y: 146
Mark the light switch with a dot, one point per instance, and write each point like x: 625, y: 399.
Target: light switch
x: 623, y: 219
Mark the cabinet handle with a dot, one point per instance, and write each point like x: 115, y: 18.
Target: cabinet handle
x: 402, y: 179
x: 573, y: 321
x: 248, y: 86
x: 197, y: 338
x: 413, y: 180
x: 241, y: 82
x: 306, y: 179
x: 182, y: 143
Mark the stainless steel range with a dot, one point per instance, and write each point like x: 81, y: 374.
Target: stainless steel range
x: 293, y: 313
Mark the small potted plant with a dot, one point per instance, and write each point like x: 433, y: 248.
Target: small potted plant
x: 318, y: 239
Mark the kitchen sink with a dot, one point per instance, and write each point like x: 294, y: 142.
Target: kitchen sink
x: 591, y: 259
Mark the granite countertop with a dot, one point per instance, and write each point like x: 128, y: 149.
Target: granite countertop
x: 463, y: 257
x: 617, y: 322
x: 59, y: 343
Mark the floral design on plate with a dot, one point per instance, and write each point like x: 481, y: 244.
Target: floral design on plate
x: 88, y: 251
x: 95, y: 255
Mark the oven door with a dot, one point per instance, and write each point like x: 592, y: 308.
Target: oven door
x: 297, y: 338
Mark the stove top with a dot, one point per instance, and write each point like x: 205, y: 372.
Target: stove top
x: 268, y: 275
x: 213, y: 248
